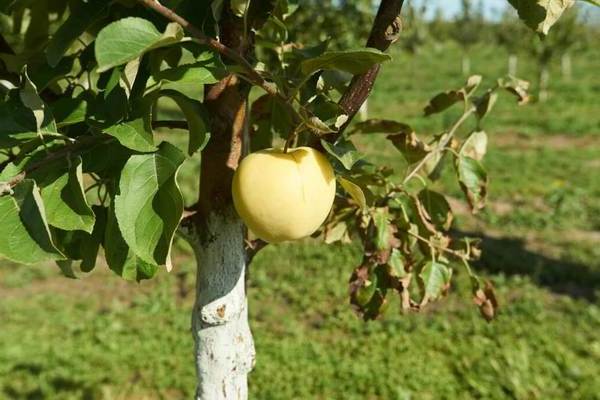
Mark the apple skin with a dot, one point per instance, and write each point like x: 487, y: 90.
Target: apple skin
x: 284, y: 196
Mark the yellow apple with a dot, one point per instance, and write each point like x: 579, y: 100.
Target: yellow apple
x: 284, y: 196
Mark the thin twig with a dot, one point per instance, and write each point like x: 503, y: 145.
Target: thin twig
x: 444, y: 249
x: 440, y: 145
x: 214, y: 44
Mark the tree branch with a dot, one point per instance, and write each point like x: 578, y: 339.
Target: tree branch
x: 386, y: 30
x: 65, y: 151
x: 214, y: 44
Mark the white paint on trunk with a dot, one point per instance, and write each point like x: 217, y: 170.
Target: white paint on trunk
x: 544, y: 80
x: 466, y: 65
x: 566, y: 66
x: 512, y: 64
x: 224, y: 347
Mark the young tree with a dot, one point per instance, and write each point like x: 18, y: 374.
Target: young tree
x: 81, y: 169
x: 467, y: 31
x: 509, y: 33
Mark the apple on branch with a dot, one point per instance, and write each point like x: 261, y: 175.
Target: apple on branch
x: 284, y: 196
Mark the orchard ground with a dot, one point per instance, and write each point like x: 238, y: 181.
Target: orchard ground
x: 104, y: 338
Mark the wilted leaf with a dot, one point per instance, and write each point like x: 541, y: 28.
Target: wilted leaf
x: 475, y: 146
x: 437, y: 208
x: 485, y: 103
x: 485, y: 298
x: 540, y: 15
x: 517, y: 87
x: 381, y: 126
x: 411, y: 147
x: 473, y: 181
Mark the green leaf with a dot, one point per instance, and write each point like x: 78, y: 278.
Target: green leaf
x: 352, y: 61
x: 82, y: 16
x: 434, y: 279
x: 473, y: 181
x: 63, y: 194
x: 119, y: 257
x: 135, y: 135
x: 129, y: 38
x: 80, y: 245
x: 443, y: 101
x: 69, y: 111
x: 381, y: 219
x: 44, y: 122
x: 195, y: 74
x: 396, y: 263
x: 540, y: 15
x: 344, y: 151
x: 354, y: 191
x: 197, y: 118
x: 149, y: 204
x: 24, y: 231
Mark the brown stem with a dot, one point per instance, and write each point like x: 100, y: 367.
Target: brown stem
x: 214, y: 44
x: 386, y: 30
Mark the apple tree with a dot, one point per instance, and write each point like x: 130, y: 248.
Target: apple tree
x: 84, y: 169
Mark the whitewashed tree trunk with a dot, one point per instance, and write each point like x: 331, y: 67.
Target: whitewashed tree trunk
x: 566, y: 66
x: 512, y: 64
x: 544, y: 80
x: 466, y: 65
x: 224, y: 348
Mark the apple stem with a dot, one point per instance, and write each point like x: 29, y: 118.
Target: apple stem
x: 292, y: 136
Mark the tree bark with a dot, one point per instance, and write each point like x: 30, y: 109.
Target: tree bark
x: 224, y: 349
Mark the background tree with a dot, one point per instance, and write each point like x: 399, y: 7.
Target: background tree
x: 468, y: 29
x: 86, y: 163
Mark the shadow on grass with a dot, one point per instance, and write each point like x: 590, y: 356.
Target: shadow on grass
x: 510, y: 256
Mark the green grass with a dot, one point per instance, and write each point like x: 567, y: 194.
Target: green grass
x: 103, y: 338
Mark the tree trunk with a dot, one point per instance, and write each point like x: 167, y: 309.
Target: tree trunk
x: 566, y: 66
x: 224, y: 349
x: 544, y: 80
x: 512, y: 64
x: 466, y: 65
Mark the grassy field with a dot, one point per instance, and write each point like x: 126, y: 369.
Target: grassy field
x: 103, y: 338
